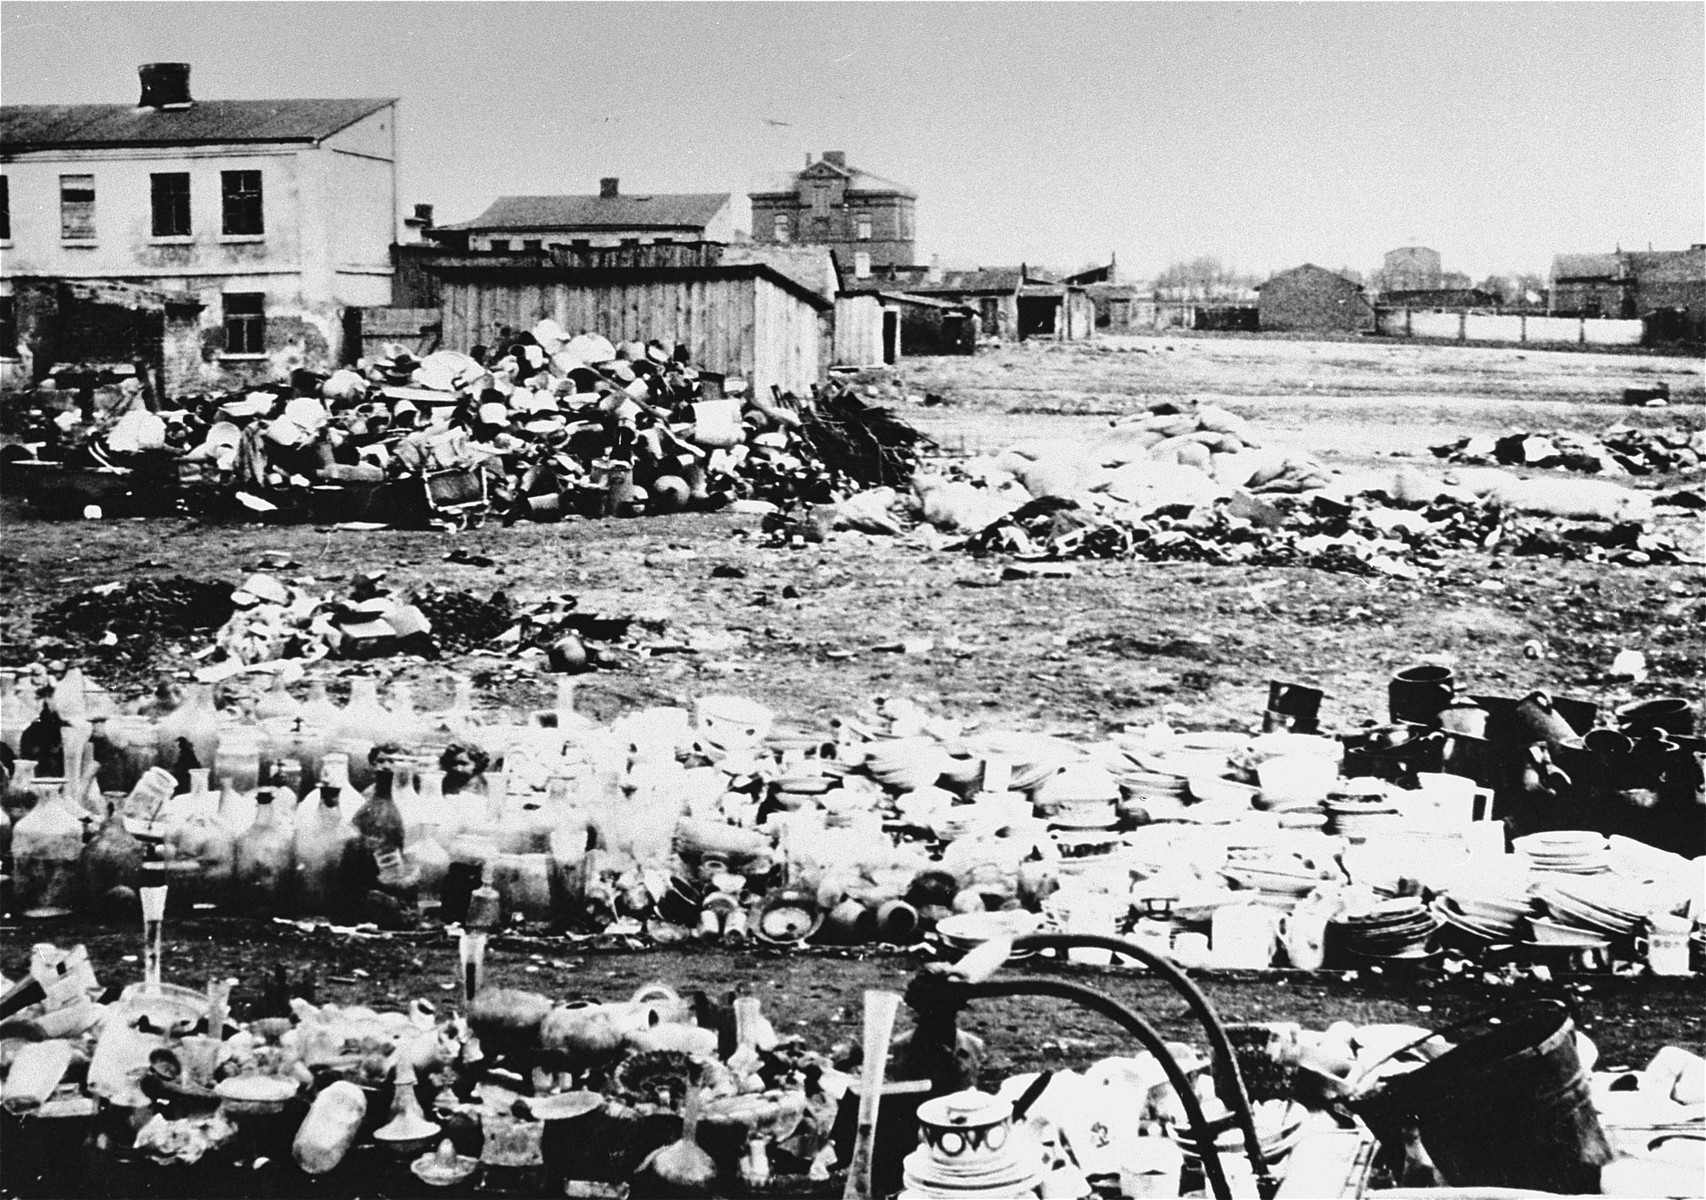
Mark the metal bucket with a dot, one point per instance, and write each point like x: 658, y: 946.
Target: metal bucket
x: 1509, y: 1108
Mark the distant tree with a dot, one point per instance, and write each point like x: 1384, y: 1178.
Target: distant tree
x: 1204, y: 275
x: 1352, y: 274
x: 1455, y: 281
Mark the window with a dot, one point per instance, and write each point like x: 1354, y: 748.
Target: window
x: 862, y: 264
x: 245, y: 323
x: 864, y: 227
x: 783, y: 228
x: 5, y: 209
x: 8, y: 327
x: 820, y: 200
x: 242, y: 203
x: 77, y: 208
x: 171, y: 204
x: 533, y: 245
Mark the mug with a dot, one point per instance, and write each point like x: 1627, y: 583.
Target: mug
x: 1665, y: 946
x: 1455, y: 798
x: 1191, y: 949
x: 1304, y: 938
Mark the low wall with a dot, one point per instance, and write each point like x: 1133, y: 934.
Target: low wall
x: 1465, y: 326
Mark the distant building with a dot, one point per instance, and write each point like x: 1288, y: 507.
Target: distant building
x: 1120, y: 306
x: 267, y: 217
x: 523, y: 223
x: 1312, y: 299
x: 866, y: 219
x: 1013, y: 304
x: 1664, y: 288
x: 1591, y: 285
x: 1411, y: 269
x: 1466, y: 297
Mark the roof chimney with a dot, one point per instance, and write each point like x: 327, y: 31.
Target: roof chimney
x: 607, y: 187
x: 423, y: 214
x: 164, y: 85
x: 836, y: 158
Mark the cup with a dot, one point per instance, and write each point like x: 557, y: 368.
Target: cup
x: 1665, y: 945
x: 1304, y: 938
x: 1455, y: 799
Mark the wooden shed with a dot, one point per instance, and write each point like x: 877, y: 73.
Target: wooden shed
x: 746, y: 320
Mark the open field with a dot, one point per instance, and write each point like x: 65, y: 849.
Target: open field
x: 815, y: 632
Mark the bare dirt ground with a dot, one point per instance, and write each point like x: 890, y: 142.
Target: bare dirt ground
x: 816, y: 632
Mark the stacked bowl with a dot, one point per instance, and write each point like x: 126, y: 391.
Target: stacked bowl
x: 1566, y: 851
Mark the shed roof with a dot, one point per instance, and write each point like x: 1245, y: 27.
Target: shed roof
x: 809, y: 266
x: 686, y: 211
x: 1310, y: 271
x: 536, y: 266
x: 1585, y: 266
x: 25, y: 127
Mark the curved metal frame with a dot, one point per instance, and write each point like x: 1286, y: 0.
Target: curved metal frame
x: 956, y: 993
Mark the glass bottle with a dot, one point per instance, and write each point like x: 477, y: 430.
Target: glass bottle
x: 18, y: 709
x: 277, y: 702
x: 43, y: 741
x: 378, y: 821
x: 363, y: 724
x: 70, y: 696
x: 110, y: 859
x: 237, y: 756
x: 47, y: 844
x: 195, y: 801
x: 264, y: 861
x: 334, y: 773
x: 188, y: 736
x: 322, y: 845
x: 236, y: 809
x: 318, y: 708
x: 472, y: 850
x: 406, y: 725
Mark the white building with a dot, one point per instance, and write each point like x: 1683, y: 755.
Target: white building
x: 274, y: 215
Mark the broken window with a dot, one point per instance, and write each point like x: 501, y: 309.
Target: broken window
x: 171, y: 196
x: 77, y: 207
x: 245, y: 323
x: 242, y: 203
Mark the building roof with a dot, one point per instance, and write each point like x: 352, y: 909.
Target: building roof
x: 1310, y: 270
x: 1585, y: 266
x: 25, y: 127
x: 690, y: 211
x: 858, y: 181
x: 540, y: 266
x: 811, y: 267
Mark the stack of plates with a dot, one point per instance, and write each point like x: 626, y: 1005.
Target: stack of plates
x: 1276, y: 875
x: 1356, y: 819
x: 1396, y: 928
x: 1566, y: 851
x: 1602, y: 904
x: 1487, y: 905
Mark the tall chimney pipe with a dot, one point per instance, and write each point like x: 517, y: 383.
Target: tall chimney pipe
x: 607, y: 187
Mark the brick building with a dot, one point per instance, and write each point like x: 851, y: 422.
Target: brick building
x: 1411, y: 269
x: 866, y: 219
x: 1313, y: 299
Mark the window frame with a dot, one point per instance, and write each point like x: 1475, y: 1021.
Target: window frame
x: 155, y: 197
x: 250, y: 327
x: 9, y: 327
x: 782, y: 227
x: 864, y: 227
x: 239, y: 206
x: 67, y: 224
x: 5, y: 208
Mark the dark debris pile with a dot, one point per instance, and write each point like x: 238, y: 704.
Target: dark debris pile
x: 1619, y: 450
x: 126, y: 621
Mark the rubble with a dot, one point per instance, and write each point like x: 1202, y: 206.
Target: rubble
x: 1618, y: 450
x: 539, y: 427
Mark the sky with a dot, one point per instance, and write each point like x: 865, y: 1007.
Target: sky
x: 1265, y: 134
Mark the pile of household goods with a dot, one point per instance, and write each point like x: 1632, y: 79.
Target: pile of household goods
x: 1386, y: 846
x: 540, y: 426
x: 1619, y: 450
x: 1197, y: 486
x: 155, y: 1088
